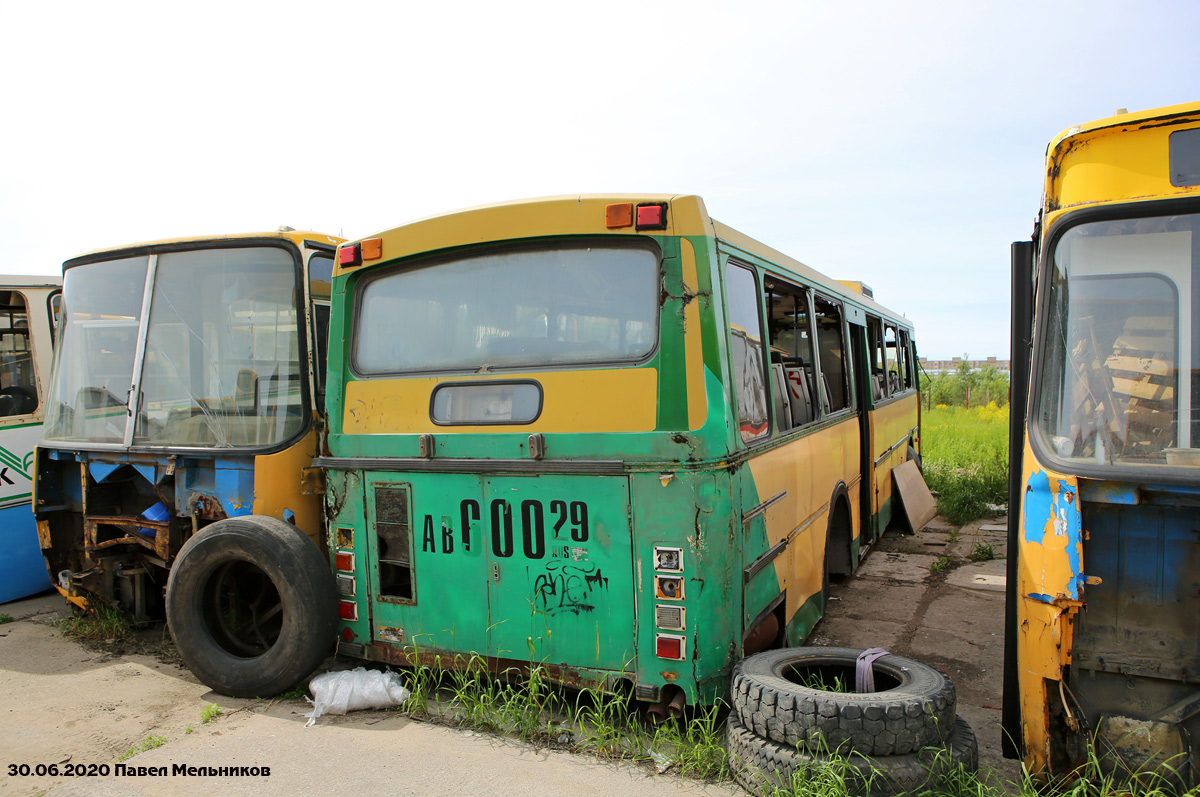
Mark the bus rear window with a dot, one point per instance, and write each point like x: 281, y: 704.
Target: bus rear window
x: 512, y: 308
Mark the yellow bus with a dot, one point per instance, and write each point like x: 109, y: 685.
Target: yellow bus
x: 1103, y: 629
x: 606, y: 434
x: 187, y: 389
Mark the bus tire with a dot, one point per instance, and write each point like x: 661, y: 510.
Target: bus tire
x: 763, y: 766
x: 252, y: 606
x: 915, y: 457
x: 914, y: 709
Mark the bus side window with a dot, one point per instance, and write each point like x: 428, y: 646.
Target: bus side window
x: 320, y: 273
x: 910, y: 376
x: 18, y: 388
x: 877, y: 362
x: 321, y: 340
x: 792, y: 364
x: 895, y: 362
x: 831, y: 345
x: 745, y: 337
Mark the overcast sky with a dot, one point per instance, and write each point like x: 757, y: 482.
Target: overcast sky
x: 897, y: 143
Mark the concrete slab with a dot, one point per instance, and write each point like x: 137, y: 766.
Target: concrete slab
x: 864, y: 634
x: 908, y: 567
x: 980, y: 575
x: 881, y: 599
x: 46, y: 603
x: 954, y: 622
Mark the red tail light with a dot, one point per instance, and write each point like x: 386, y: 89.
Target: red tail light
x: 350, y: 255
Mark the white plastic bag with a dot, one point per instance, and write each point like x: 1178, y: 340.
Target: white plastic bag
x: 354, y: 690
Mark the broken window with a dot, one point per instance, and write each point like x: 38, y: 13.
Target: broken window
x: 1120, y: 362
x: 18, y: 384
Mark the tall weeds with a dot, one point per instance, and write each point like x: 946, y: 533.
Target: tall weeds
x: 965, y: 457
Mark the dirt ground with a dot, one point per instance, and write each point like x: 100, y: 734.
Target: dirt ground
x: 68, y: 704
x: 950, y: 616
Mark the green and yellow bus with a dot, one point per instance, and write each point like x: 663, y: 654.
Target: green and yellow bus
x: 604, y: 434
x: 1103, y: 628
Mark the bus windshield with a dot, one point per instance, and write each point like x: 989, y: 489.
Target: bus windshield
x: 221, y: 362
x: 1119, y: 386
x: 516, y: 308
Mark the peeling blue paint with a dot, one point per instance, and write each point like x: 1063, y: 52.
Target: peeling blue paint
x: 1037, y: 506
x: 1058, y: 511
x: 1041, y: 596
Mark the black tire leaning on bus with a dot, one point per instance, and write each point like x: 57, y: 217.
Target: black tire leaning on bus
x: 252, y: 606
x: 914, y: 708
x: 765, y: 767
x: 915, y: 457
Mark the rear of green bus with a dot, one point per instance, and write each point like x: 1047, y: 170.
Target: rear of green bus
x: 528, y: 446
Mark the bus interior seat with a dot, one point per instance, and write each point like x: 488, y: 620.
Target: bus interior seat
x: 828, y: 397
x: 801, y: 395
x: 784, y: 411
x: 17, y: 400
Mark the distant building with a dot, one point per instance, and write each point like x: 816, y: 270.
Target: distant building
x: 942, y: 366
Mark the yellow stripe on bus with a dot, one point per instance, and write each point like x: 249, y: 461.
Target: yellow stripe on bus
x: 805, y: 472
x: 609, y: 400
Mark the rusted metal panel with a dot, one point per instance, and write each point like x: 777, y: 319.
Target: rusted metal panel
x: 312, y: 481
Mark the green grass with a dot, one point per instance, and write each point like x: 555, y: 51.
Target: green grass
x: 983, y: 552
x: 149, y: 743
x: 210, y: 713
x: 6, y: 618
x: 965, y: 457
x: 942, y: 563
x: 101, y: 622
x: 295, y: 693
x: 525, y: 704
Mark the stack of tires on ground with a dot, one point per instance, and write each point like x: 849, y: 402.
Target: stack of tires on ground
x: 797, y: 719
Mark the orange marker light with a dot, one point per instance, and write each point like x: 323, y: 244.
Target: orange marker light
x: 619, y: 215
x: 372, y: 249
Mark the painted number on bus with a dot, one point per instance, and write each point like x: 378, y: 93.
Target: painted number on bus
x: 511, y: 527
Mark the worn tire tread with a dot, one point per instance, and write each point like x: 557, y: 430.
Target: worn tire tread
x: 918, y: 713
x: 307, y: 591
x: 761, y: 765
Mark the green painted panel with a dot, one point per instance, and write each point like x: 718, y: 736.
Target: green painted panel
x: 560, y: 585
x: 444, y: 607
x: 690, y: 512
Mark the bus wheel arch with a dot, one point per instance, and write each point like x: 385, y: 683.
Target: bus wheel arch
x: 252, y: 606
x: 839, y: 537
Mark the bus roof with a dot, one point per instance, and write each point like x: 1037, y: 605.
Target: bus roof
x: 1129, y: 119
x: 286, y: 233
x: 1118, y: 159
x: 584, y: 214
x: 30, y: 281
x: 838, y: 288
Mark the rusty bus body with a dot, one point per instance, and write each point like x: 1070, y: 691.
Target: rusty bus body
x: 1103, y: 625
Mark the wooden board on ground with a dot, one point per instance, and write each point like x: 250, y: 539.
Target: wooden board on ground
x: 918, y: 503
